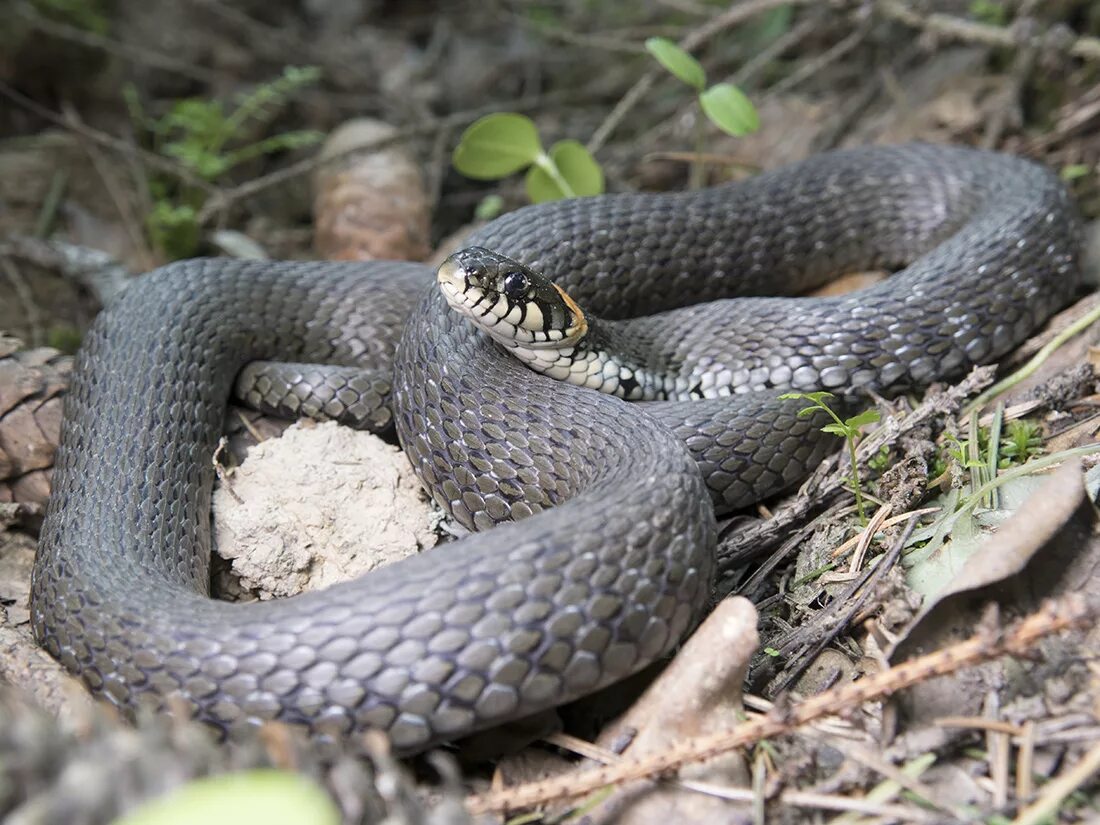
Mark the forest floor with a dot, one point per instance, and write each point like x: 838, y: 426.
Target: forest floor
x: 133, y: 133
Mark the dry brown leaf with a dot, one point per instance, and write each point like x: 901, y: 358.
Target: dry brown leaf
x: 699, y: 692
x: 1037, y: 554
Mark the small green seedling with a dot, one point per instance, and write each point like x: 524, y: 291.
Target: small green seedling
x: 489, y: 207
x: 1074, y: 171
x: 1023, y: 440
x: 502, y: 144
x: 724, y: 104
x: 209, y: 141
x: 847, y: 428
x: 991, y: 12
x: 88, y: 15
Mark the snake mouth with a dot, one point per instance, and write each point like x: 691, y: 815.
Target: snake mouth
x: 514, y: 304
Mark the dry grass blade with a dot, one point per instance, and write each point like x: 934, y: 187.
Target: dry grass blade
x: 1054, y: 617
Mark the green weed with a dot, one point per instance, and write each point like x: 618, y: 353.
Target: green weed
x: 502, y: 144
x: 210, y: 140
x: 725, y: 105
x: 847, y: 428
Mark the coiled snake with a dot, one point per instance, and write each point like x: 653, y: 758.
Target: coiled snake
x: 614, y: 564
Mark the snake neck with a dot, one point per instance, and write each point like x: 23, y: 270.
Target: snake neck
x: 609, y: 358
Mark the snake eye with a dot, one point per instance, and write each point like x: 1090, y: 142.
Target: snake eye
x: 515, y: 285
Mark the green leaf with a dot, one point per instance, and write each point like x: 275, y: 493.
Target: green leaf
x: 489, y: 207
x: 269, y: 796
x: 1074, y: 171
x: 870, y: 416
x: 496, y: 146
x: 729, y: 109
x: 678, y: 62
x: 758, y: 33
x: 63, y: 336
x: 578, y: 167
x: 835, y: 429
x: 569, y: 171
x: 817, y: 397
x: 541, y: 185
x: 989, y: 11
x: 174, y: 229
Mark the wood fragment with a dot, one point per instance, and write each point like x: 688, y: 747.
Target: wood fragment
x: 982, y: 34
x: 1055, y: 792
x: 1053, y: 617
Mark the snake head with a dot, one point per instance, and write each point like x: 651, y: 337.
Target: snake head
x: 513, y: 303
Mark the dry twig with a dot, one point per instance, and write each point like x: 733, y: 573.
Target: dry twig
x: 128, y: 51
x: 1055, y: 792
x: 983, y: 34
x: 1054, y: 617
x: 151, y: 159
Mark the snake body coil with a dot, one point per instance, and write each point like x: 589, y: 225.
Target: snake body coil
x: 614, y: 565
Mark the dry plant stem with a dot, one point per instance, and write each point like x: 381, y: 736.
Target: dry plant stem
x: 31, y: 310
x: 774, y: 50
x: 793, y: 798
x: 123, y: 205
x: 737, y: 13
x: 827, y: 482
x: 751, y: 588
x: 221, y: 199
x: 814, y: 66
x: 161, y: 164
x: 889, y: 522
x: 1010, y: 110
x: 136, y: 54
x: 1045, y: 808
x: 969, y: 31
x: 1053, y: 617
x: 1072, y: 117
x: 824, y: 802
x: 890, y: 772
x: 589, y: 41
x: 837, y: 617
x: 273, y: 41
x: 1025, y: 757
x: 1028, y: 369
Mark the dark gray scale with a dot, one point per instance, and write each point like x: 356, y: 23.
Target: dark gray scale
x: 358, y: 397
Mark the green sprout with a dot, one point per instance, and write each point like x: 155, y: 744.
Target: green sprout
x: 847, y: 428
x: 1073, y: 171
x: 725, y: 105
x: 989, y: 11
x: 88, y: 15
x: 209, y: 141
x: 502, y: 144
x: 1022, y: 440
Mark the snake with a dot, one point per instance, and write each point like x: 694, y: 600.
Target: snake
x: 692, y: 320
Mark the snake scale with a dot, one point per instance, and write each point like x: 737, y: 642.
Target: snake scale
x: 604, y: 554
